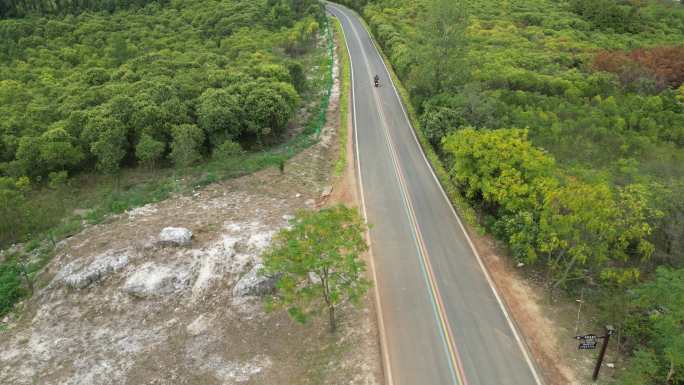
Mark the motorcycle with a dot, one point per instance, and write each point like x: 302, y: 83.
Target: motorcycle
x: 376, y: 82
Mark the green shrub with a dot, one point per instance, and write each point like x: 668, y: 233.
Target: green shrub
x: 186, y: 144
x: 228, y: 149
x: 11, y: 288
x: 57, y: 179
x: 617, y: 15
x: 148, y: 150
x: 14, y: 210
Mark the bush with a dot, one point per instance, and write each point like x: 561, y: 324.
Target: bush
x: 96, y: 76
x: 11, y: 288
x: 13, y: 210
x: 618, y: 15
x: 227, y: 149
x: 149, y: 151
x: 186, y: 144
x: 654, y: 318
x: 57, y: 179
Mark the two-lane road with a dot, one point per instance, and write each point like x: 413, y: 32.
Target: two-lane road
x: 442, y: 321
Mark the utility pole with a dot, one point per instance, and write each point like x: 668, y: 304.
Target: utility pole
x: 609, y: 332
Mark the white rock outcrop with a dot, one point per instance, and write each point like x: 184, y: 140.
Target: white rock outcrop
x: 175, y: 236
x: 253, y: 283
x: 77, y: 277
x: 152, y: 279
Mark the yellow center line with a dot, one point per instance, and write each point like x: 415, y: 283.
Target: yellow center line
x: 436, y: 296
x: 455, y: 360
x: 422, y: 250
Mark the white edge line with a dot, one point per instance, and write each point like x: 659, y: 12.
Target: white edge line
x: 378, y: 304
x: 521, y: 344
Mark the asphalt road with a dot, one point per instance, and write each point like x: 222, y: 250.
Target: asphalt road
x: 442, y: 322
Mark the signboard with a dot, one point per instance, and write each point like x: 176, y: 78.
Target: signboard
x: 588, y: 337
x: 587, y: 345
x: 589, y: 341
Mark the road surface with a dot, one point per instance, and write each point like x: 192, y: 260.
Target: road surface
x: 440, y: 318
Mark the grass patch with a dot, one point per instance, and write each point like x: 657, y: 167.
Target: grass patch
x: 345, y: 81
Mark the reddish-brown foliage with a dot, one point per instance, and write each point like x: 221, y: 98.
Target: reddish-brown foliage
x: 664, y: 65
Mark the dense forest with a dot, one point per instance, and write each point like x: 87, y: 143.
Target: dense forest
x: 94, y: 86
x: 562, y: 124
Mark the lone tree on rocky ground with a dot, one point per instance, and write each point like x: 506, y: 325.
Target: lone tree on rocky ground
x: 317, y: 263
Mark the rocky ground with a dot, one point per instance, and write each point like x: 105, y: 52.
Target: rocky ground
x: 130, y: 301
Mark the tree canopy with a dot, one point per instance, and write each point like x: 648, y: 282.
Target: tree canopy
x: 95, y: 86
x: 317, y: 263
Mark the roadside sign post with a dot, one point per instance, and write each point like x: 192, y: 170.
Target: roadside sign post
x: 589, y: 341
x: 609, y: 332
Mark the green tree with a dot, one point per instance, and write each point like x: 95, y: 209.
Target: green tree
x: 148, y: 150
x: 586, y: 230
x: 298, y: 76
x: 28, y: 156
x: 96, y: 76
x: 500, y: 169
x: 440, y: 47
x: 221, y: 115
x: 655, y: 320
x: 186, y: 144
x: 110, y: 147
x: 119, y: 49
x: 504, y: 174
x: 227, y: 150
x: 58, y: 151
x: 317, y: 263
x: 271, y: 105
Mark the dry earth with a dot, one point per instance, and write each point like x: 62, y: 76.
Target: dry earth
x: 116, y: 306
x: 547, y: 324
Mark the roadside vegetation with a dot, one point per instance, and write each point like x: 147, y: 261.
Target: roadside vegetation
x: 345, y: 81
x: 317, y: 263
x: 112, y: 105
x: 562, y: 124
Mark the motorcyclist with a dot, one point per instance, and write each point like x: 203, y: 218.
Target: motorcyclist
x: 376, y: 80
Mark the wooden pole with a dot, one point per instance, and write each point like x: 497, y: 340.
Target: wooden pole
x: 609, y: 332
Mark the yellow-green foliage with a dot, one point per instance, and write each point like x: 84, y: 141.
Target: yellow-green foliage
x: 81, y: 91
x: 345, y: 83
x: 326, y: 245
x: 576, y: 229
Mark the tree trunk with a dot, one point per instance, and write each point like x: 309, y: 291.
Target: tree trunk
x: 333, y: 323
x: 670, y: 373
x: 565, y: 275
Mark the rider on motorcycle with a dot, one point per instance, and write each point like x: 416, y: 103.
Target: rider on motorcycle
x: 376, y: 80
